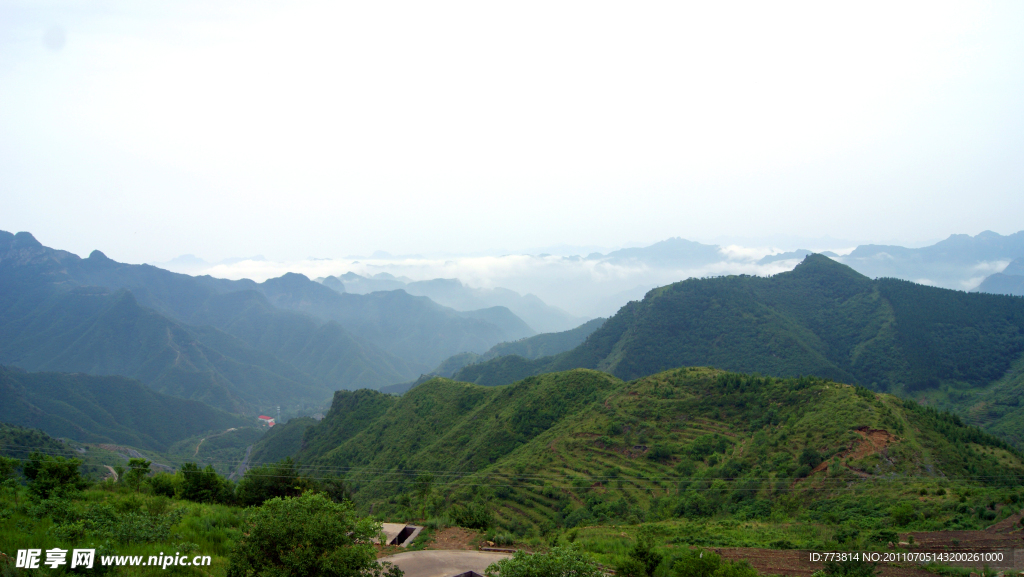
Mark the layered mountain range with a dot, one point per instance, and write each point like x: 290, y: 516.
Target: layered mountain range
x: 957, y: 350
x: 241, y: 346
x: 1008, y: 282
x: 453, y: 293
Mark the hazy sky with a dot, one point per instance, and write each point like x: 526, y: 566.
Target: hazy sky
x: 295, y: 129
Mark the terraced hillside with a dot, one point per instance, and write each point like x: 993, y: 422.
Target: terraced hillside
x: 580, y: 447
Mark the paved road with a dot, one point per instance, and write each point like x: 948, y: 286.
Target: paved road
x: 443, y: 563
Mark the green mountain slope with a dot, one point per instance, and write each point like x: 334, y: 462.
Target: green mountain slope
x: 451, y: 426
x: 546, y: 344
x: 821, y: 319
x: 95, y: 331
x: 351, y: 412
x: 514, y: 352
x: 97, y: 409
x: 579, y: 447
x: 19, y: 442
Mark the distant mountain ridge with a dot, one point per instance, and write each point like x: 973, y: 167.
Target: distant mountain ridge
x: 951, y: 263
x: 1008, y: 282
x: 238, y: 345
x: 822, y: 318
x: 451, y: 292
x: 529, y: 348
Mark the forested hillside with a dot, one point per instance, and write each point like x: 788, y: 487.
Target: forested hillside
x: 237, y: 345
x: 579, y: 447
x: 820, y: 319
x: 110, y: 409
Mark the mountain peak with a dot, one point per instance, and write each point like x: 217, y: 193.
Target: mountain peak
x: 25, y: 240
x: 816, y: 264
x: 98, y: 256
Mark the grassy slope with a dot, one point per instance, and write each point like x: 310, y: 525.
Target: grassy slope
x: 575, y: 448
x: 585, y: 464
x: 447, y: 426
x: 149, y: 525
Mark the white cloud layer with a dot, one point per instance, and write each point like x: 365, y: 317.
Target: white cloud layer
x: 579, y: 286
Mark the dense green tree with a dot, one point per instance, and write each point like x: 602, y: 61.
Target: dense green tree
x: 280, y: 479
x: 7, y: 467
x: 204, y: 485
x: 165, y: 484
x: 567, y: 561
x: 643, y: 550
x: 8, y: 482
x: 53, y: 476
x: 308, y: 535
x: 137, y: 471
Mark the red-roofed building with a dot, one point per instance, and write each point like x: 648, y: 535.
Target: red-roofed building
x: 268, y: 421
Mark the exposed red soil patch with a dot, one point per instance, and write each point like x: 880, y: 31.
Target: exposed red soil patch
x: 874, y: 441
x: 454, y: 538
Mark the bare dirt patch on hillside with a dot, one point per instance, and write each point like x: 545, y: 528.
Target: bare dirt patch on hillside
x: 454, y: 538
x: 873, y: 441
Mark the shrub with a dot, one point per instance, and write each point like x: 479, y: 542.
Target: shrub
x: 278, y: 480
x: 810, y: 457
x: 307, y: 536
x: 659, y: 453
x: 902, y: 514
x: 567, y: 561
x: 164, y: 483
x: 643, y: 560
x: 472, y: 516
x: 698, y: 563
x: 53, y: 476
x: 204, y: 485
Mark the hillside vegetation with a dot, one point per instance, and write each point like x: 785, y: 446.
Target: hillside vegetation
x: 580, y: 447
x: 820, y: 319
x: 93, y: 409
x: 534, y: 347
